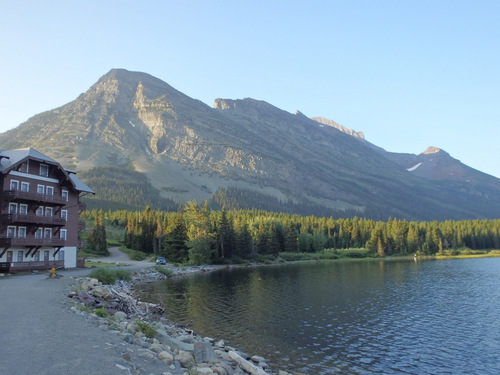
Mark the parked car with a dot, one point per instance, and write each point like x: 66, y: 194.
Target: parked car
x: 161, y: 260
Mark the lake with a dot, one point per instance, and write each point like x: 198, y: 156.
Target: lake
x: 349, y: 317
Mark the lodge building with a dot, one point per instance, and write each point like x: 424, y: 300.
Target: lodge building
x: 39, y: 212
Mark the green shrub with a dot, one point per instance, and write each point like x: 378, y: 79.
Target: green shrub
x: 355, y: 254
x: 265, y: 259
x: 110, y: 276
x: 101, y: 312
x: 163, y: 270
x: 471, y: 252
x: 123, y: 274
x: 146, y: 328
x: 134, y: 254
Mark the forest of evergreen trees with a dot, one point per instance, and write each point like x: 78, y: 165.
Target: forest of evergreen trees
x: 200, y: 235
x: 121, y: 187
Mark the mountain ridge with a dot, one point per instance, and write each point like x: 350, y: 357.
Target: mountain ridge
x: 189, y: 150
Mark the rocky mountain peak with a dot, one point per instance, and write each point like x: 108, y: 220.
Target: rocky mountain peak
x: 434, y: 150
x: 333, y: 124
x: 189, y: 151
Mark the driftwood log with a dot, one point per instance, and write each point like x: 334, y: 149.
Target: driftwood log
x: 117, y: 298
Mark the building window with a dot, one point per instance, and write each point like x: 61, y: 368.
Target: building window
x: 64, y: 214
x: 14, y: 185
x: 49, y: 190
x: 11, y: 232
x: 39, y: 211
x: 60, y: 255
x: 64, y: 234
x: 39, y: 233
x: 44, y: 170
x: 36, y: 257
x: 40, y: 189
x: 25, y: 186
x: 20, y: 256
x: 65, y: 194
x: 47, y: 233
x: 49, y: 211
x: 12, y: 208
x: 23, y: 209
x: 21, y: 232
x: 23, y: 167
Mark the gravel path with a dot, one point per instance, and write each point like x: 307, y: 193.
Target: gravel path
x: 39, y: 335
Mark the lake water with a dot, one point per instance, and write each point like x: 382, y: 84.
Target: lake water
x: 364, y: 317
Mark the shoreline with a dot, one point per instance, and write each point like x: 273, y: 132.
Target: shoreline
x: 182, y: 350
x: 175, y: 346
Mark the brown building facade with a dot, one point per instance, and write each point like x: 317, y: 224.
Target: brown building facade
x: 39, y: 211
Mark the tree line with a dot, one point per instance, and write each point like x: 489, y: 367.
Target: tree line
x: 200, y: 235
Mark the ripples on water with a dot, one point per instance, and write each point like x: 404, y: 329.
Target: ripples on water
x: 395, y: 317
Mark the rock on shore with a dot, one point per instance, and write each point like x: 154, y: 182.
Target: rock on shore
x: 181, y: 351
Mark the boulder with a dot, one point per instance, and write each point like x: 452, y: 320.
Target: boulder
x: 166, y: 357
x: 204, y: 371
x: 101, y: 292
x: 186, y: 359
x: 157, y: 348
x: 175, y: 344
x: 120, y: 315
x: 203, y: 352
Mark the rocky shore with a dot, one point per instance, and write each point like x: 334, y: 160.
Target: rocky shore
x: 169, y: 348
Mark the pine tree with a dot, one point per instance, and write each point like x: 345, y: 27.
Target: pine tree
x: 175, y: 248
x: 96, y: 241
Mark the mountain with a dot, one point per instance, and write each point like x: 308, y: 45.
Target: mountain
x: 237, y: 152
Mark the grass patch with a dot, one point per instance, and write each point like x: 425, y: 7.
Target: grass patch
x: 163, y: 270
x: 134, y: 254
x: 465, y: 253
x: 265, y: 259
x: 114, y: 234
x: 109, y: 276
x: 93, y: 264
x: 326, y: 254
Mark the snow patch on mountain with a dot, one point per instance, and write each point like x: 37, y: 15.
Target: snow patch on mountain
x: 414, y: 167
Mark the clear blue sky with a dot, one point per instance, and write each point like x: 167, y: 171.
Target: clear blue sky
x: 409, y: 74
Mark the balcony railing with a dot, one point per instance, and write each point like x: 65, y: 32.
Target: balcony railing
x: 32, y: 219
x: 30, y: 241
x: 27, y: 196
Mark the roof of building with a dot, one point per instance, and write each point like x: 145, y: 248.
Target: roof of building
x: 10, y: 158
x: 79, y: 184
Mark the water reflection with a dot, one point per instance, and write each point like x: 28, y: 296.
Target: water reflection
x: 350, y: 317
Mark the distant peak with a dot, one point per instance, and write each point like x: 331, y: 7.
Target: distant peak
x: 433, y: 150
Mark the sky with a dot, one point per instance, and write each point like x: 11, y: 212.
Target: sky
x: 409, y: 74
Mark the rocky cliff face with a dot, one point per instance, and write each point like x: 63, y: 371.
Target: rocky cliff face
x: 189, y: 150
x: 327, y: 122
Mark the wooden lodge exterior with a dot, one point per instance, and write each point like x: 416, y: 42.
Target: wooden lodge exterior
x: 39, y: 212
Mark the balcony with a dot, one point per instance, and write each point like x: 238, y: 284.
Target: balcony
x: 32, y: 219
x: 81, y: 225
x: 12, y: 195
x: 54, y: 242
